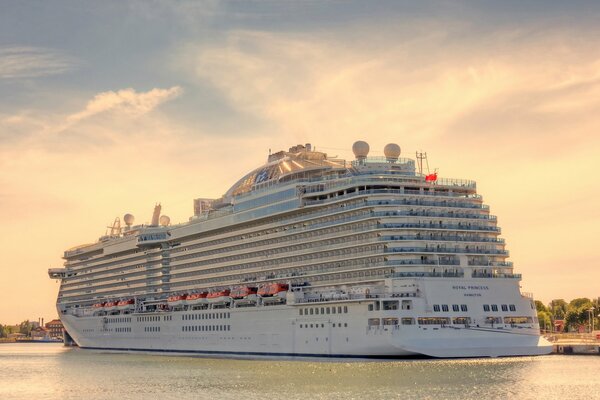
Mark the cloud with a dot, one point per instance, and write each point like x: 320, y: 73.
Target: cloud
x: 32, y: 62
x: 123, y: 108
x: 440, y: 86
x: 127, y: 101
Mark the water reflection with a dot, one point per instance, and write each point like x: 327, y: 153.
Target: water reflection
x: 47, y: 371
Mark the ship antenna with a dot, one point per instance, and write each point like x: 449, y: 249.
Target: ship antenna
x: 420, y: 157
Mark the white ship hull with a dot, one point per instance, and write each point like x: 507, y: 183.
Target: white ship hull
x: 280, y: 330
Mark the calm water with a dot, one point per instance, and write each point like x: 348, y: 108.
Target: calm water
x: 51, y: 371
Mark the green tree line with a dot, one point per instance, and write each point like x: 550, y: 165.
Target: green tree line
x: 24, y: 327
x: 575, y: 314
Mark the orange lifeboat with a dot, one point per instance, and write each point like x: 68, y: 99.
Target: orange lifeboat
x: 125, y: 304
x: 176, y: 300
x: 272, y: 289
x: 196, y: 298
x: 218, y: 297
x: 242, y: 292
x: 98, y: 305
x: 110, y: 305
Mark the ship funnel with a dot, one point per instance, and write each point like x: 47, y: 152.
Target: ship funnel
x: 156, y: 214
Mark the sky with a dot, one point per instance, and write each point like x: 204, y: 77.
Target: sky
x: 107, y: 108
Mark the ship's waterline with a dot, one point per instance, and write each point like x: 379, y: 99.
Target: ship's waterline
x: 308, y: 256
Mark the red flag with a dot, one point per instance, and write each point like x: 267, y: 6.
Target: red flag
x: 431, y: 177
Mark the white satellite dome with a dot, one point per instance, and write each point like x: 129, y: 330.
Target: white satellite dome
x: 164, y: 220
x: 360, y: 149
x: 128, y: 218
x: 391, y: 151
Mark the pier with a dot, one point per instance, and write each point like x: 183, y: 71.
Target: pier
x: 575, y: 344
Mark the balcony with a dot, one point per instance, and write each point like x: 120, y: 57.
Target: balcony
x: 431, y: 225
x: 57, y: 273
x: 433, y: 215
x: 444, y: 238
x: 495, y: 275
x: 446, y: 250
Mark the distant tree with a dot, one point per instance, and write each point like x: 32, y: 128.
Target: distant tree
x: 25, y: 327
x: 3, y: 333
x: 580, y: 302
x: 539, y: 306
x: 545, y: 320
x: 578, y: 313
x: 558, y: 308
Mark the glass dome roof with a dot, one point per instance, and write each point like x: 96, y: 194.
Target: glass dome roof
x: 299, y: 159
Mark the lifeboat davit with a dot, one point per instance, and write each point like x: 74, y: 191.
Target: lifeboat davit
x: 177, y: 300
x: 196, y: 298
x: 125, y: 304
x: 273, y: 291
x: 222, y: 296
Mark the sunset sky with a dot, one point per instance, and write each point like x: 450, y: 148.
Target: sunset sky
x: 109, y: 107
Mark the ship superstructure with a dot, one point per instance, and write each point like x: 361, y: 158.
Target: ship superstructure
x: 308, y: 255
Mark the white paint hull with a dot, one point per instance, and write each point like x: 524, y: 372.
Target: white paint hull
x: 280, y: 331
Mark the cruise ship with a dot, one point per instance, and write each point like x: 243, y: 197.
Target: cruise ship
x: 308, y: 256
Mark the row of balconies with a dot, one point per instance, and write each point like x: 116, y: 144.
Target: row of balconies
x: 445, y: 250
x: 441, y: 237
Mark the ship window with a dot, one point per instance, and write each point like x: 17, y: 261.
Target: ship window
x: 494, y: 307
x: 322, y: 310
x: 370, y: 307
x: 504, y: 307
x: 345, y: 309
x: 311, y: 325
x: 455, y: 307
x: 513, y: 308
x: 373, y: 322
x: 300, y: 325
x: 339, y: 309
x: 328, y: 310
x: 345, y: 324
x: 463, y: 307
x: 390, y: 305
x: 311, y: 311
x: 486, y: 307
x: 300, y: 311
x: 317, y: 311
x: 408, y: 321
x: 436, y: 307
x: 445, y: 307
x: 461, y: 320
